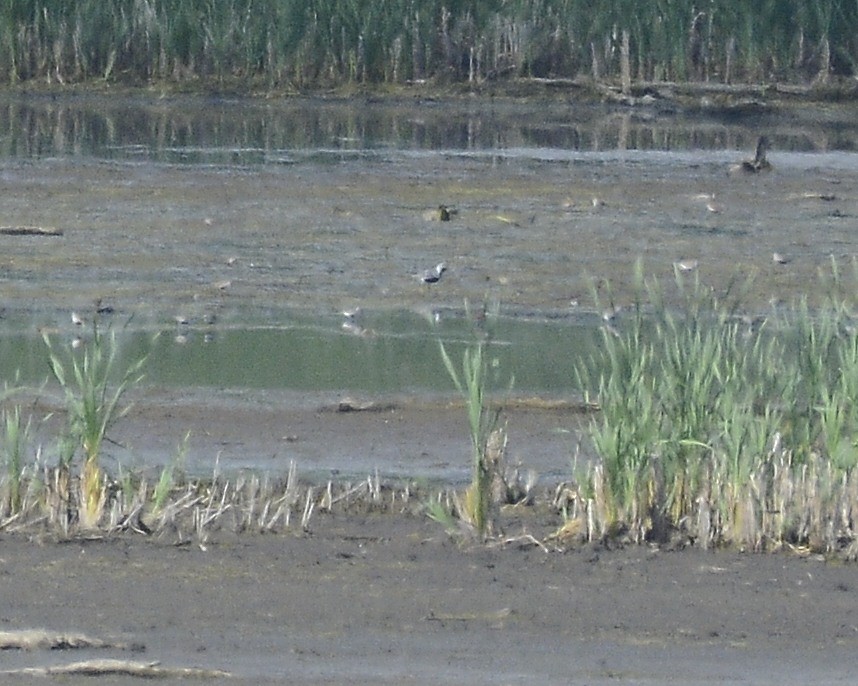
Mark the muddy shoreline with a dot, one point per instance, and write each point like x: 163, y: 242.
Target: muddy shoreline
x: 391, y: 599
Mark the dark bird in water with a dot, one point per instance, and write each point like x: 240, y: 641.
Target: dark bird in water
x: 759, y: 163
x: 433, y: 275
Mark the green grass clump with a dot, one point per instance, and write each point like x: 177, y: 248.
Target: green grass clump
x: 93, y: 385
x: 724, y: 428
x: 13, y: 444
x: 473, y: 384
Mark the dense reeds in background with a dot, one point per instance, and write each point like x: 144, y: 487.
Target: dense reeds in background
x: 301, y: 43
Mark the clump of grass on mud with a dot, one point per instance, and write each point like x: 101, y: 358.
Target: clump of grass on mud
x: 719, y: 429
x: 93, y: 386
x: 472, y: 382
x: 477, y: 512
x: 714, y: 429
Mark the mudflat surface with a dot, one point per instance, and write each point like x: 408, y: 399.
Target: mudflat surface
x: 244, y: 245
x: 392, y: 600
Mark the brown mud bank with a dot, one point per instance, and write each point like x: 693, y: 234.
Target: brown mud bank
x: 582, y: 90
x: 381, y: 599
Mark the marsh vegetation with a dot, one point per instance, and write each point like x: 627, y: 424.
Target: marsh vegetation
x: 712, y: 429
x: 297, y: 44
x: 721, y: 429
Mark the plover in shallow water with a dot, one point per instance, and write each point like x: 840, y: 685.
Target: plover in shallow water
x: 779, y: 258
x: 686, y: 265
x: 433, y: 275
x: 609, y: 315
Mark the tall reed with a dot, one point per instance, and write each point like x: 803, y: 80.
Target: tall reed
x: 472, y: 382
x: 304, y: 43
x: 13, y: 446
x: 93, y: 385
x: 730, y: 430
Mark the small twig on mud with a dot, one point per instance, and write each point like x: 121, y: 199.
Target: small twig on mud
x: 119, y: 667
x: 522, y: 539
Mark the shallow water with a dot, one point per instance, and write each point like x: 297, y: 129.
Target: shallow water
x: 388, y: 352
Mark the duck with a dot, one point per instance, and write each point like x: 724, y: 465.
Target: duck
x: 756, y: 165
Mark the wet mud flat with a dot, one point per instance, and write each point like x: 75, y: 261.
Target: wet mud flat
x: 533, y: 230
x: 369, y: 599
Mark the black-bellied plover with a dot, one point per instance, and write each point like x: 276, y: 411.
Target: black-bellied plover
x: 433, y: 275
x: 443, y: 213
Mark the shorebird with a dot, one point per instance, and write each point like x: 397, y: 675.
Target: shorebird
x: 609, y: 316
x: 444, y: 213
x: 758, y: 164
x: 778, y: 258
x: 709, y: 202
x: 686, y: 266
x: 77, y: 320
x: 433, y: 275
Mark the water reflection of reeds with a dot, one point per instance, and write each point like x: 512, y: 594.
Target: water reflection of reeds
x: 205, y: 131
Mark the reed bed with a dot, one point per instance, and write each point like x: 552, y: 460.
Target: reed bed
x: 195, y: 508
x: 718, y: 429
x: 77, y: 496
x: 285, y: 44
